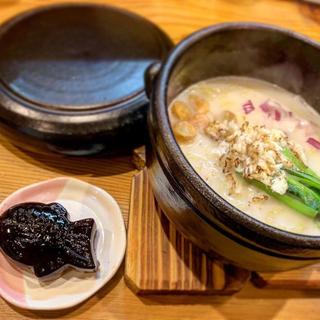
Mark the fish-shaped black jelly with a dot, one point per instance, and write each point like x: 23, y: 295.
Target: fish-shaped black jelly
x: 42, y: 236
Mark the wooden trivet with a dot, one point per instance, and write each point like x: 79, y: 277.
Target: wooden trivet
x: 139, y: 157
x: 299, y: 279
x: 160, y: 260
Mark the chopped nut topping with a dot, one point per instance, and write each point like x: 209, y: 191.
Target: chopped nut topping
x: 260, y: 197
x: 253, y: 151
x: 184, y: 131
x: 220, y: 130
x: 181, y: 110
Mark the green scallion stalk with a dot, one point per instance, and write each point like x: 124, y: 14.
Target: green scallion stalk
x: 305, y: 178
x: 299, y: 165
x: 308, y: 196
x: 289, y: 200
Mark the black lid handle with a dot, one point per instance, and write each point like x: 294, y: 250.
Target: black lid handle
x: 150, y: 76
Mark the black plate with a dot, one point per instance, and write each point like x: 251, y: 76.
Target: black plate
x: 72, y: 75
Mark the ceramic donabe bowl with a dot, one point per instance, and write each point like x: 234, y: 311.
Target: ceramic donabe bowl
x: 269, y: 53
x: 72, y: 77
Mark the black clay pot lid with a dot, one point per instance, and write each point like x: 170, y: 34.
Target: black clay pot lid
x: 59, y: 65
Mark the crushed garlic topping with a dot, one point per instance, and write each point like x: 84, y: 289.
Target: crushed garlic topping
x: 253, y: 151
x: 259, y: 198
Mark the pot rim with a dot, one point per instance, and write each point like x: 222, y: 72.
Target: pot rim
x: 161, y: 90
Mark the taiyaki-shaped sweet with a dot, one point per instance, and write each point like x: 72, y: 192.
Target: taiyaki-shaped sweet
x: 42, y: 236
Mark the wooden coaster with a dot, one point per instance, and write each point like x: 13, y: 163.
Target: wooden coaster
x: 299, y: 279
x: 160, y: 260
x: 139, y: 157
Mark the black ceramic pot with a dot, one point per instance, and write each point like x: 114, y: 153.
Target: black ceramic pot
x: 72, y: 77
x: 279, y: 56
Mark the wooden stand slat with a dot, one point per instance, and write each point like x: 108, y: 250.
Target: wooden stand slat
x: 299, y: 279
x: 160, y: 260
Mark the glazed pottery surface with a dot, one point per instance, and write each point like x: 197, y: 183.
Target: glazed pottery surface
x: 254, y: 50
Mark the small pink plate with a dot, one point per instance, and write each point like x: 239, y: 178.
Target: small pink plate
x: 82, y: 200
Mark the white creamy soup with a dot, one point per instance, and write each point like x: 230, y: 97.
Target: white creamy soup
x: 235, y: 131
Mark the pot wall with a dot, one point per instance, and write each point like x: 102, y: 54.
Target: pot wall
x: 198, y: 212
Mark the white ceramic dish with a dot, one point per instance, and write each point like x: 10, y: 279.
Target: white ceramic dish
x: 82, y: 200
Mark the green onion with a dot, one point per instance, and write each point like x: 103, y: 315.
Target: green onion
x: 298, y: 163
x: 308, y: 196
x: 305, y: 178
x: 303, y: 187
x: 290, y: 200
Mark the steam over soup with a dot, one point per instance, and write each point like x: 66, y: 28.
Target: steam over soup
x: 255, y: 144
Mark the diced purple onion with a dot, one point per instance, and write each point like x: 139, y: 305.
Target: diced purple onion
x: 314, y: 142
x: 248, y: 107
x: 277, y: 115
x: 265, y: 107
x: 274, y: 110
